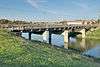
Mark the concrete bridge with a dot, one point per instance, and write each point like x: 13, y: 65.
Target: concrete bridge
x: 46, y: 30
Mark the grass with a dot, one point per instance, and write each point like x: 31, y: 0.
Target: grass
x: 18, y: 52
x: 94, y: 34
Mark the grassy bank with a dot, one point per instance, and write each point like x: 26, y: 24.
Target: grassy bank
x: 17, y: 52
x: 94, y: 34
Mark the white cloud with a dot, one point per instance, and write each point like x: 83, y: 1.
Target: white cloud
x: 33, y: 3
x: 37, y: 4
x: 83, y: 6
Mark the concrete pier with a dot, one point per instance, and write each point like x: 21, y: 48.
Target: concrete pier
x: 47, y: 36
x: 50, y: 35
x: 65, y: 34
x: 83, y: 33
x: 30, y: 33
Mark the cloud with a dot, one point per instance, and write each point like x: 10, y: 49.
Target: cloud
x: 37, y: 4
x: 33, y: 3
x: 49, y: 11
x: 83, y: 6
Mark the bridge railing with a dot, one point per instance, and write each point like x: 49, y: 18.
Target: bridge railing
x: 30, y: 26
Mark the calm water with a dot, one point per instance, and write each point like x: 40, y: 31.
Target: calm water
x: 89, y: 47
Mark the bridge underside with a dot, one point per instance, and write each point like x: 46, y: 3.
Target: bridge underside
x: 46, y: 33
x: 52, y: 30
x: 65, y: 31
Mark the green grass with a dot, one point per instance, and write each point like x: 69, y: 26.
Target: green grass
x: 94, y: 34
x: 18, y: 52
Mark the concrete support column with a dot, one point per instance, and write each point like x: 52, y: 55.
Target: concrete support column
x: 65, y: 33
x: 47, y: 36
x: 83, y: 33
x: 30, y: 33
x: 50, y: 37
x: 21, y: 33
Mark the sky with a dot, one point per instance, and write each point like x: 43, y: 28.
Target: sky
x: 49, y: 10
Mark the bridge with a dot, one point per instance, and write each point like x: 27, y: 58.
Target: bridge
x: 47, y: 29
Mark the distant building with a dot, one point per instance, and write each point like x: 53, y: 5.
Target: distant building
x: 78, y: 22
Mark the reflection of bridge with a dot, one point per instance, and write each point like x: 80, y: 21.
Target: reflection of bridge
x: 47, y: 29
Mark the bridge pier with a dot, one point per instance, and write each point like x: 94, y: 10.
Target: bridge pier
x: 83, y: 33
x: 30, y: 33
x: 65, y: 33
x: 47, y: 36
x: 50, y: 35
x: 21, y: 33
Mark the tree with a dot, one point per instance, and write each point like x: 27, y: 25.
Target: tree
x: 4, y: 21
x: 98, y: 21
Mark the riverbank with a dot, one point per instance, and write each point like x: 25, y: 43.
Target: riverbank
x: 17, y: 52
x: 93, y: 34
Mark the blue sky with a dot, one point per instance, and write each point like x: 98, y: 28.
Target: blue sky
x: 49, y: 9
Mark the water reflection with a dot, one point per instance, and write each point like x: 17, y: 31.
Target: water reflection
x: 83, y: 44
x: 72, y: 40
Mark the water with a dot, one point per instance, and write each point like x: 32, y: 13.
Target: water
x: 94, y: 52
x: 90, y: 47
